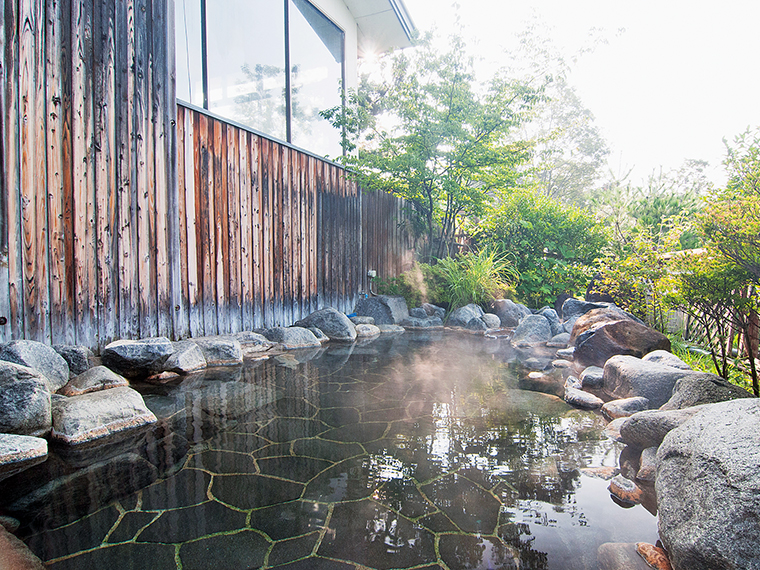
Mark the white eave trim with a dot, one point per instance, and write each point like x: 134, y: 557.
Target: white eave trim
x: 383, y: 24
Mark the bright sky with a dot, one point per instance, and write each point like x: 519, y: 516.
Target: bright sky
x: 672, y: 80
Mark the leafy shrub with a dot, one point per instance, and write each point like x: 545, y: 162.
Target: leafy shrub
x: 472, y: 277
x: 553, y: 246
x: 401, y: 286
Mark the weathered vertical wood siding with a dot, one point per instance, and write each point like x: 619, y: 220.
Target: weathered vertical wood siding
x: 124, y: 215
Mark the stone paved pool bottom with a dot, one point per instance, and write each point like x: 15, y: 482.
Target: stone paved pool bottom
x: 416, y: 451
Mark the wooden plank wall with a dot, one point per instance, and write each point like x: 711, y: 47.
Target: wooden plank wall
x: 88, y: 223
x: 386, y: 235
x: 269, y: 233
x: 125, y: 215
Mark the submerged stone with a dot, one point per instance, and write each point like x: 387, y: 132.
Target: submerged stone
x: 99, y: 414
x: 376, y: 537
x: 244, y: 549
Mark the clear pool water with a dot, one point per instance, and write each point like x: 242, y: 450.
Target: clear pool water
x: 414, y: 451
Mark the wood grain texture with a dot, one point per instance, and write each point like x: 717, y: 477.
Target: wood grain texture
x: 123, y: 215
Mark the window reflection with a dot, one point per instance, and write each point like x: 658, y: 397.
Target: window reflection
x: 187, y: 18
x: 316, y: 63
x: 246, y: 63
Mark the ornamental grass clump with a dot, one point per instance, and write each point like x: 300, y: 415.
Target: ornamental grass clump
x: 476, y: 277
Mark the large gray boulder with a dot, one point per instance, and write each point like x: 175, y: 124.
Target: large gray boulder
x: 434, y: 310
x: 186, y: 358
x: 386, y: 310
x: 25, y: 404
x: 708, y: 488
x: 648, y: 428
x: 509, y: 312
x: 93, y: 380
x: 532, y: 329
x: 137, y: 358
x: 40, y: 357
x: 291, y: 338
x: 575, y: 308
x: 332, y: 322
x: 79, y: 358
x: 702, y: 388
x: 220, y: 350
x: 99, y: 414
x: 19, y: 452
x: 553, y: 318
x: 624, y: 408
x: 461, y: 316
x: 628, y: 377
x: 666, y: 358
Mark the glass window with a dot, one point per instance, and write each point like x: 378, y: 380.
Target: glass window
x: 242, y: 73
x: 246, y: 62
x: 316, y: 64
x: 187, y: 18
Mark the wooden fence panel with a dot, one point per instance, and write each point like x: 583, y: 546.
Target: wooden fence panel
x: 124, y: 215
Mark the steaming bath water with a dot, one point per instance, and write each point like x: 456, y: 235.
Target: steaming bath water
x: 416, y: 451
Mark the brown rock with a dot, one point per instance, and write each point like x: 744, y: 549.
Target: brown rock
x: 605, y: 473
x: 595, y: 319
x: 625, y: 490
x: 654, y: 556
x: 604, y: 332
x: 14, y: 555
x: 163, y: 377
x: 619, y: 556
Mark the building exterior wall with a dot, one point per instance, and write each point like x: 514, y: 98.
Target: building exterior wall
x: 124, y: 217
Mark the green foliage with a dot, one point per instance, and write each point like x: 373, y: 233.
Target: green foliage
x: 570, y: 152
x: 731, y: 219
x: 401, y: 286
x: 476, y: 277
x: 471, y: 277
x: 712, y: 291
x: 430, y: 133
x: 699, y: 359
x: 553, y: 246
x: 651, y: 208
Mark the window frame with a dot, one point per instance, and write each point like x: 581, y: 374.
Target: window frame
x: 288, y: 74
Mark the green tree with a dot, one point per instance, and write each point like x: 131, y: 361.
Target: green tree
x: 432, y: 134
x: 732, y: 216
x: 570, y: 153
x: 713, y: 291
x: 553, y: 245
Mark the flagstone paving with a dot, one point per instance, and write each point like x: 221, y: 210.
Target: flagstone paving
x: 412, y: 455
